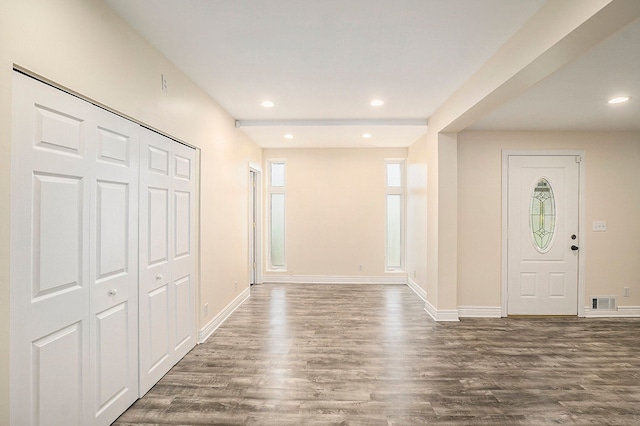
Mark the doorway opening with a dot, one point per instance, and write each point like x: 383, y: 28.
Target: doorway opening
x: 255, y: 225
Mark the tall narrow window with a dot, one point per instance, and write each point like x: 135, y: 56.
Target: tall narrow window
x: 276, y: 214
x: 394, y: 258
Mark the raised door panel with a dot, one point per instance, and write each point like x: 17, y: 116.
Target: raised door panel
x: 57, y: 364
x: 158, y: 326
x: 183, y: 225
x: 184, y: 309
x: 58, y: 226
x: 112, y: 355
x: 116, y: 148
x: 158, y: 224
x: 112, y: 229
x: 57, y: 131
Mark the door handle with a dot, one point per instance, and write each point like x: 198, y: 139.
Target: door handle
x: 574, y: 248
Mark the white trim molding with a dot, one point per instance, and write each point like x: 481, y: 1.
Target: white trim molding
x: 442, y: 315
x: 620, y: 312
x: 419, y: 291
x: 218, y: 320
x: 332, y: 279
x: 480, y: 311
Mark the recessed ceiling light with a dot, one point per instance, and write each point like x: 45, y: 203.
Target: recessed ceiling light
x: 377, y: 102
x: 267, y: 104
x: 619, y: 99
x: 366, y: 135
x: 288, y: 136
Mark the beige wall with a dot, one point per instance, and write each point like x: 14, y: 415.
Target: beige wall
x: 84, y: 46
x: 612, y: 176
x: 335, y: 210
x: 417, y: 213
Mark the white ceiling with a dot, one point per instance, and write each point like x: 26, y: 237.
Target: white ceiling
x: 575, y: 97
x: 322, y: 61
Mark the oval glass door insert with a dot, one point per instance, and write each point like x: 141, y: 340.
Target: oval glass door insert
x: 542, y: 213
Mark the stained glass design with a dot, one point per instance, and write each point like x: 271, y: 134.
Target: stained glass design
x: 542, y: 212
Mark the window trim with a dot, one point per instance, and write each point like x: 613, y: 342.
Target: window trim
x: 396, y: 190
x: 271, y: 191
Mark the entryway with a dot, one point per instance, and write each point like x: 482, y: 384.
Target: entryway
x: 542, y: 213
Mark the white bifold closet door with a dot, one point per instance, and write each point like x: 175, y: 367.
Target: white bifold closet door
x: 103, y: 258
x: 74, y: 259
x: 167, y: 255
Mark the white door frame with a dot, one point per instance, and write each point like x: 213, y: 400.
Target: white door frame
x: 256, y: 256
x: 581, y: 219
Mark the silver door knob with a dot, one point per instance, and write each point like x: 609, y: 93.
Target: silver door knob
x: 159, y: 277
x: 113, y: 292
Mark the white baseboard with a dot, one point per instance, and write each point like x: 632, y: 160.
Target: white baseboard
x: 422, y: 294
x: 480, y: 311
x: 333, y: 279
x: 452, y: 315
x: 621, y: 312
x: 219, y: 319
x: 442, y: 315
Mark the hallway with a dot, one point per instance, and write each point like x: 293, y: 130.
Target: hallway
x: 370, y: 355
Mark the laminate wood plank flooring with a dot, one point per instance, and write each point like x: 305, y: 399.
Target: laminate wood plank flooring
x: 370, y: 355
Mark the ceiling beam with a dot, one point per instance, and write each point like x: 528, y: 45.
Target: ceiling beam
x: 336, y: 122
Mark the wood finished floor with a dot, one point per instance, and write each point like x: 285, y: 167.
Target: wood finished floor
x: 370, y: 355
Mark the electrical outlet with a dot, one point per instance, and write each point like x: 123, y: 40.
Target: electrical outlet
x: 360, y: 267
x: 626, y: 292
x: 206, y: 309
x: 414, y: 273
x: 235, y: 286
x: 165, y: 85
x: 599, y: 226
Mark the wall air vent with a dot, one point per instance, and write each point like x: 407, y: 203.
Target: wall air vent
x: 606, y: 303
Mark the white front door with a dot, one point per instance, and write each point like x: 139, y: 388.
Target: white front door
x: 167, y: 255
x: 543, y: 243
x: 74, y: 356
